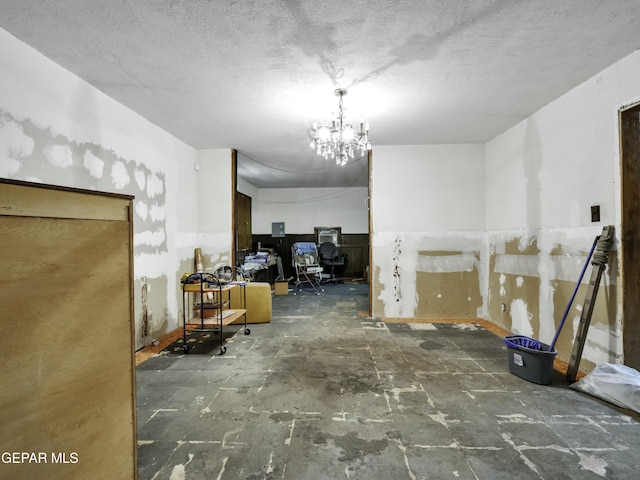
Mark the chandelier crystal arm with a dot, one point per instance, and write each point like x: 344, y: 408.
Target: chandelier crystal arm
x: 340, y: 140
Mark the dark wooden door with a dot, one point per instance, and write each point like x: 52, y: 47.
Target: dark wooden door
x: 243, y: 221
x: 630, y: 235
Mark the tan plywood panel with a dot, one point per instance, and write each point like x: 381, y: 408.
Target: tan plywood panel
x: 21, y: 200
x: 67, y: 383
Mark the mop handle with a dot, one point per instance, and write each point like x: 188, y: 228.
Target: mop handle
x: 575, y: 291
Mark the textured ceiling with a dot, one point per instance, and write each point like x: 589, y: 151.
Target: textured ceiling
x: 253, y: 75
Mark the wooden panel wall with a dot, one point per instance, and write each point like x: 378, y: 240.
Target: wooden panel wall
x: 66, y: 334
x: 630, y: 170
x: 356, y: 246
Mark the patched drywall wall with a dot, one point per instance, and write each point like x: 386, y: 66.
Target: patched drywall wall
x: 34, y: 154
x: 542, y: 177
x: 428, y: 220
x: 428, y: 275
x: 514, y: 284
x: 522, y: 281
x: 152, y: 321
x: 57, y: 129
x: 62, y: 161
x: 447, y: 283
x: 532, y: 278
x: 521, y: 237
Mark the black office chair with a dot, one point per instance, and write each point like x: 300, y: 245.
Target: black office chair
x: 332, y: 261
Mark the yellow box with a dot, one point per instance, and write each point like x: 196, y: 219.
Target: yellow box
x: 282, y: 287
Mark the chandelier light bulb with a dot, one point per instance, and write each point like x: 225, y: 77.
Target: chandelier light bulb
x: 340, y: 140
x: 324, y: 134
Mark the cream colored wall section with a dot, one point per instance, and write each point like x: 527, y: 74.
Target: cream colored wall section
x: 57, y: 129
x: 303, y: 209
x: 248, y: 189
x: 542, y: 176
x: 215, y: 196
x: 428, y: 223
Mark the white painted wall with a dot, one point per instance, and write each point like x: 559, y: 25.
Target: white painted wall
x: 428, y: 197
x: 248, y: 189
x: 424, y: 188
x: 55, y: 128
x: 543, y: 175
x: 302, y: 209
x: 214, y: 197
x: 548, y: 170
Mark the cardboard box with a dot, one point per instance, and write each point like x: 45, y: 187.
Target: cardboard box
x: 208, y: 313
x: 282, y: 287
x: 194, y: 287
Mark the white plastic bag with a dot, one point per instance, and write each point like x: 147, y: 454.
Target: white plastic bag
x: 613, y: 383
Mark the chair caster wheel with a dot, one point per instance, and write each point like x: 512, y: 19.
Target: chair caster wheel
x: 223, y: 350
x: 247, y: 331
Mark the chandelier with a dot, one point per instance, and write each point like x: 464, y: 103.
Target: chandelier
x: 339, y: 140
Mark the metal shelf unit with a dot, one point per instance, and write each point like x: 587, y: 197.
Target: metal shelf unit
x: 207, y: 284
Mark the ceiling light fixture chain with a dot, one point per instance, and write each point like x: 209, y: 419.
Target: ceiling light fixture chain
x: 339, y: 140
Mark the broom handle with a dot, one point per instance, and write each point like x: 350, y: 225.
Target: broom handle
x: 575, y: 291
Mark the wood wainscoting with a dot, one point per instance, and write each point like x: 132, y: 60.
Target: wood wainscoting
x: 355, y: 245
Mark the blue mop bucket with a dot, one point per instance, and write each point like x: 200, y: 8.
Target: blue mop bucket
x: 517, y: 341
x: 530, y: 359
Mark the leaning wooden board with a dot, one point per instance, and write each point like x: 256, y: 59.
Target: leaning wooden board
x: 67, y: 374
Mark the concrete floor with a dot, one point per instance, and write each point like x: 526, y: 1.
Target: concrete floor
x: 323, y: 393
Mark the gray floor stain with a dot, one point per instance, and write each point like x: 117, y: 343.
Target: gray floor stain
x: 321, y: 393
